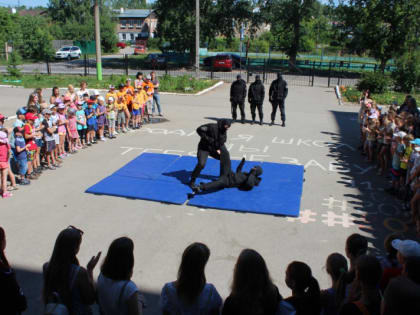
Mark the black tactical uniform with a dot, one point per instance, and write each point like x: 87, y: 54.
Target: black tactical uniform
x: 242, y: 180
x: 213, y: 138
x: 256, y: 95
x: 277, y: 95
x: 237, y: 97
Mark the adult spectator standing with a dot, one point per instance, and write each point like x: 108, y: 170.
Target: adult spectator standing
x: 190, y: 293
x: 12, y: 299
x: 65, y: 278
x: 83, y: 90
x: 253, y: 292
x: 277, y: 95
x: 212, y: 142
x: 156, y: 95
x: 117, y: 294
x: 256, y: 94
x: 237, y: 97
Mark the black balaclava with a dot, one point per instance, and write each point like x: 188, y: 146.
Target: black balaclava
x: 238, y: 77
x: 253, y: 178
x: 222, y: 123
x: 257, y: 78
x: 279, y: 76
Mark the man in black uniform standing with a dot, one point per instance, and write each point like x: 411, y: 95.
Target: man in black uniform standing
x: 277, y: 95
x: 237, y: 97
x: 212, y: 142
x: 256, y: 95
x: 242, y: 180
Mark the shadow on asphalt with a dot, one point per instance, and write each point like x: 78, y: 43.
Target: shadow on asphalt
x: 31, y: 283
x: 375, y: 212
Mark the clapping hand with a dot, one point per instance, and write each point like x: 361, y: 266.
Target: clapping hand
x: 93, y: 262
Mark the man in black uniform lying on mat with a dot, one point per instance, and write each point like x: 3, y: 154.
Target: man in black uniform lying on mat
x: 242, y: 180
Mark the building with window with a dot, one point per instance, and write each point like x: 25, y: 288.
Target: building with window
x: 135, y: 24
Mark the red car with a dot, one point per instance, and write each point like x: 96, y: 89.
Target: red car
x: 222, y: 62
x: 139, y: 49
x: 121, y: 45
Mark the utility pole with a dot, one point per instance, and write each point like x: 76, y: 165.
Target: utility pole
x: 197, y: 37
x: 98, y: 42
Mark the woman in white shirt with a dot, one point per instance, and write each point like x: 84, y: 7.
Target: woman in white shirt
x: 117, y: 294
x: 190, y: 294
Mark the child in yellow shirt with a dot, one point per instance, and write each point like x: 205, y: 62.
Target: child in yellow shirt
x: 120, y: 107
x: 137, y: 104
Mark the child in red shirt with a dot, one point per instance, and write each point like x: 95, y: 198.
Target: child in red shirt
x: 4, y: 163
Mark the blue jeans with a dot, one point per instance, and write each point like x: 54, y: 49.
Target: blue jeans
x: 156, y: 100
x: 22, y: 165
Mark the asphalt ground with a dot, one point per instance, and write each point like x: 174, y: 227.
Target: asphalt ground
x: 341, y: 195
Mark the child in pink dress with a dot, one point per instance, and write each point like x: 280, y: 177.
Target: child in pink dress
x: 4, y: 163
x: 73, y: 134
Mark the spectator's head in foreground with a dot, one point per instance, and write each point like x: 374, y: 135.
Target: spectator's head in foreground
x: 251, y: 278
x: 336, y: 266
x: 191, y: 277
x: 119, y: 261
x: 303, y: 285
x: 368, y: 271
x: 57, y: 272
x: 406, y: 248
x: 356, y: 246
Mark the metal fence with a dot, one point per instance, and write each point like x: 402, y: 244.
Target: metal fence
x: 304, y: 73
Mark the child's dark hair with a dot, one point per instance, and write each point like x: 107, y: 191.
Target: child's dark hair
x: 336, y: 266
x: 308, y: 287
x: 412, y: 268
x: 356, y: 245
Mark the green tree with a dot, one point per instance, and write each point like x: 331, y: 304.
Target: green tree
x: 9, y: 26
x: 129, y: 4
x: 12, y: 68
x: 287, y: 19
x: 36, y: 39
x: 382, y: 28
x: 74, y: 20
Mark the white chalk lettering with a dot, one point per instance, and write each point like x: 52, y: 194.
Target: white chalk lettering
x: 178, y: 132
x: 290, y: 160
x: 282, y: 141
x: 241, y: 137
x: 242, y: 148
x: 305, y: 142
x: 315, y: 163
x: 258, y: 157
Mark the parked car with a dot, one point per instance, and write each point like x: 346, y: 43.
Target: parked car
x: 155, y: 61
x: 68, y: 52
x: 139, y: 49
x: 222, y: 62
x: 121, y: 45
x: 235, y: 59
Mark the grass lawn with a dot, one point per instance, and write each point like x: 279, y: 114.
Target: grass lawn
x: 179, y: 84
x: 352, y: 95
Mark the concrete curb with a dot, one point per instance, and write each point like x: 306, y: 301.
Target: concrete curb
x: 162, y: 93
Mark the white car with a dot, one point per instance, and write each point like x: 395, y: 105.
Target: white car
x: 68, y: 52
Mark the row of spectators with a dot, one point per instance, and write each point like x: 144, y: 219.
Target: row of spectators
x: 361, y: 284
x: 47, y: 131
x: 391, y: 141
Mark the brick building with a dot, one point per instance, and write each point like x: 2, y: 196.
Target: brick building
x: 135, y: 23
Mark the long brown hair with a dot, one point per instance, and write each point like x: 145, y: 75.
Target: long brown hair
x: 191, y: 277
x: 57, y: 274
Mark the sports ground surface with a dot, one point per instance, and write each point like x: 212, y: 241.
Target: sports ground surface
x: 341, y: 195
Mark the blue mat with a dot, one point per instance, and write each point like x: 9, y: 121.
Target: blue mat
x: 143, y: 178
x: 279, y: 192
x: 164, y: 178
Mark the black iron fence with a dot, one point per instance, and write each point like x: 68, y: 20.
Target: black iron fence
x: 303, y: 73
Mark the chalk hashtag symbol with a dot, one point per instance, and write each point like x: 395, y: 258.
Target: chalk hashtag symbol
x: 332, y: 203
x: 333, y: 219
x: 305, y: 216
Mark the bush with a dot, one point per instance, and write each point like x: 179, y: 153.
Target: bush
x: 12, y: 69
x: 375, y: 82
x: 407, y: 75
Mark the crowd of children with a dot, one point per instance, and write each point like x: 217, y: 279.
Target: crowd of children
x: 391, y: 141
x: 46, y: 132
x: 361, y: 283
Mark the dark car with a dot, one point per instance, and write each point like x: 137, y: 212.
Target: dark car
x: 155, y: 61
